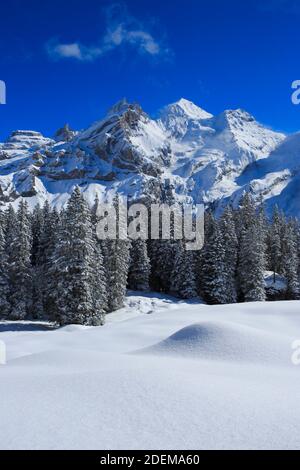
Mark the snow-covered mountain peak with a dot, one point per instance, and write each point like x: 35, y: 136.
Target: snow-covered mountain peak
x: 64, y: 134
x: 239, y: 114
x: 26, y: 139
x: 22, y: 141
x: 185, y: 108
x: 122, y: 107
x: 205, y: 158
x: 233, y: 119
x: 119, y: 107
x: 239, y: 129
x: 178, y: 117
x: 190, y: 109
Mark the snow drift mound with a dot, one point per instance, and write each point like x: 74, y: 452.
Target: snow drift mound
x: 226, y: 342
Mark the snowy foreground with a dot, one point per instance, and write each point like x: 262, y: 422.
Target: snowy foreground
x: 160, y: 374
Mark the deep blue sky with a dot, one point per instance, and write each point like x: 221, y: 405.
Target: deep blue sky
x: 220, y: 54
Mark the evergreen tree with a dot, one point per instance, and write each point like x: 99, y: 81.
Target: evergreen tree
x: 297, y: 229
x: 139, y: 270
x: 213, y: 279
x: 99, y: 281
x: 183, y: 279
x: 275, y: 248
x: 252, y: 264
x: 246, y: 214
x: 78, y: 292
x: 4, y: 280
x: 162, y: 252
x: 49, y: 240
x: 118, y: 259
x: 290, y: 261
x: 10, y: 227
x: 19, y: 263
x: 162, y: 255
x: 37, y: 227
x: 37, y: 222
x: 230, y: 245
x: 100, y: 277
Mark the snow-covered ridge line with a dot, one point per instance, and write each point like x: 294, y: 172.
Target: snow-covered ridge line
x: 187, y: 152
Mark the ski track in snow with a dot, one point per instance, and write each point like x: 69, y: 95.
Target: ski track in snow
x: 161, y: 374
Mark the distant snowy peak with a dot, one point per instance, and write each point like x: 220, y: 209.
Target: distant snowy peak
x: 121, y: 107
x: 125, y: 142
x: 22, y: 142
x: 187, y: 108
x: 233, y: 119
x: 184, y: 109
x: 65, y: 134
x: 245, y: 133
x: 288, y: 152
x: 121, y: 116
x: 22, y: 139
x: 176, y: 118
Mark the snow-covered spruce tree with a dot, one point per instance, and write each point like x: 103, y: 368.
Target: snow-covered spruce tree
x: 37, y: 226
x: 252, y: 251
x: 290, y: 261
x: 139, y: 270
x: 4, y: 281
x: 162, y: 252
x: 100, y: 247
x: 247, y: 212
x: 115, y: 255
x: 297, y: 223
x: 9, y: 227
x: 199, y: 255
x: 47, y: 246
x: 274, y: 242
x: 117, y: 259
x: 162, y: 255
x: 103, y: 245
x: 212, y: 269
x: 37, y: 223
x: 19, y: 262
x: 183, y: 279
x: 263, y: 223
x: 251, y: 266
x: 79, y: 296
x: 230, y: 245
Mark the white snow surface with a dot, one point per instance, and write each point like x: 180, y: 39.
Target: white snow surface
x: 161, y: 374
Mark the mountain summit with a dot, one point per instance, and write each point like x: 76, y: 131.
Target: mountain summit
x: 186, y: 108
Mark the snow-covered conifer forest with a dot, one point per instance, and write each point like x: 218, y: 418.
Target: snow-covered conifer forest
x: 55, y: 268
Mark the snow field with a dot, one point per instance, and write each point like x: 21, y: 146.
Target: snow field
x: 161, y: 374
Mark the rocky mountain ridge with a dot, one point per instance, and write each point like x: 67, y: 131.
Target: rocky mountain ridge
x: 199, y: 157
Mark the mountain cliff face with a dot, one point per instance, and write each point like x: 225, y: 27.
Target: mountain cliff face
x: 200, y: 157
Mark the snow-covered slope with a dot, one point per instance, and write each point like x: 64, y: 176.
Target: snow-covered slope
x: 218, y: 377
x: 200, y: 157
x: 278, y: 176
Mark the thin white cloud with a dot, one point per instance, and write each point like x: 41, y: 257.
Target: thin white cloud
x: 145, y: 41
x: 68, y: 50
x: 122, y: 29
x: 73, y: 50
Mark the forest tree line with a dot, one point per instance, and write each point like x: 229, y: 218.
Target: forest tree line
x: 53, y: 266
